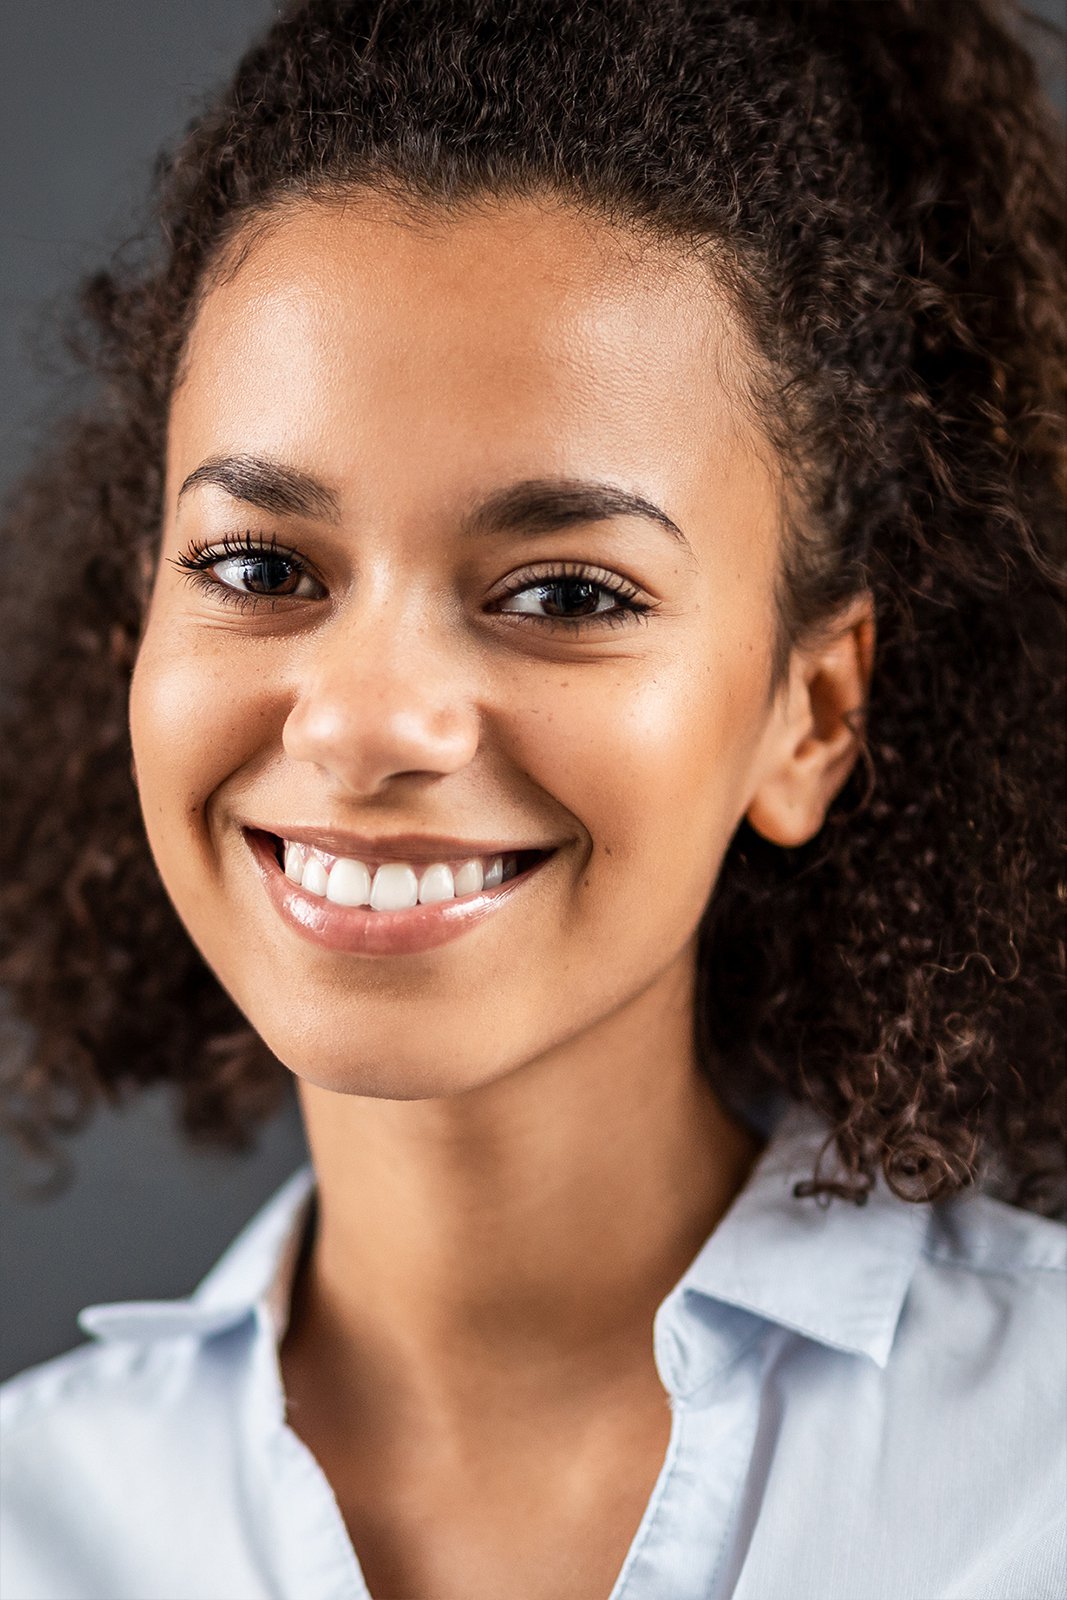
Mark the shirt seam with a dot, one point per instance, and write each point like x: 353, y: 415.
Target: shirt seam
x: 995, y: 1268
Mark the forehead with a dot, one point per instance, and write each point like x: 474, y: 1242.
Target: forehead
x: 515, y: 338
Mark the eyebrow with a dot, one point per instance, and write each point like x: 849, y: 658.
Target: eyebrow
x: 547, y: 505
x: 266, y: 484
x: 536, y: 505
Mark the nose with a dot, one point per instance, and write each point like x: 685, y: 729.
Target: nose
x: 383, y: 698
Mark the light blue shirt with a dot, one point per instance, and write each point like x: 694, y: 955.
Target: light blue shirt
x: 867, y: 1404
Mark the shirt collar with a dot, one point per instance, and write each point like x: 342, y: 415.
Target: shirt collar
x: 836, y: 1273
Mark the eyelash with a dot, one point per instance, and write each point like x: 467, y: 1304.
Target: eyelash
x: 629, y: 605
x: 196, y: 561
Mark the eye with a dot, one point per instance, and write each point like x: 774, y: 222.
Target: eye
x: 572, y: 596
x: 248, y: 569
x: 564, y: 597
x: 273, y: 574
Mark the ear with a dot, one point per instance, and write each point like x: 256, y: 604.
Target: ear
x: 814, y: 732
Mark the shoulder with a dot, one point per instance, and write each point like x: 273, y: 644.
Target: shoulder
x: 120, y: 1388
x: 991, y: 1282
x: 57, y: 1416
x: 949, y: 1442
x: 994, y: 1278
x: 978, y: 1234
x: 981, y: 1345
x: 111, y: 1452
x: 64, y: 1426
x: 65, y: 1385
x: 977, y: 1401
x: 98, y: 1449
x: 86, y: 1426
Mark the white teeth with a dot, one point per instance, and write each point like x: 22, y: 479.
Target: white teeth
x: 314, y: 876
x: 435, y: 885
x: 494, y: 873
x: 395, y: 888
x: 349, y: 883
x: 468, y: 878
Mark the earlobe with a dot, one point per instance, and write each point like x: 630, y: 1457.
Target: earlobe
x: 816, y: 732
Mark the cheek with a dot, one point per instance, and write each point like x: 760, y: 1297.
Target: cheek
x: 654, y: 760
x: 193, y: 722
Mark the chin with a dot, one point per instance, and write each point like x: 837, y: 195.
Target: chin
x: 410, y: 1072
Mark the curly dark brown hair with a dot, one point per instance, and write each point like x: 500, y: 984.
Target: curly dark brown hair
x: 879, y: 189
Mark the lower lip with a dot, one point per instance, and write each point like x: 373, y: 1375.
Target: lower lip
x: 360, y: 931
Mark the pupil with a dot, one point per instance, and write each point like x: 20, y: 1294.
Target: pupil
x: 572, y: 597
x: 268, y: 574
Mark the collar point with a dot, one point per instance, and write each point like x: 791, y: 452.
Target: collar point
x: 147, y: 1321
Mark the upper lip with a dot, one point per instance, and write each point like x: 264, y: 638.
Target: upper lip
x: 423, y: 847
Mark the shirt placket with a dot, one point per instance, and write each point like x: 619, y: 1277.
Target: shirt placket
x: 682, y: 1546
x: 307, y: 1546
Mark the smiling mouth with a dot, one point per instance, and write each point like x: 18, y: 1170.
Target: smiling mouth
x: 388, y: 907
x: 396, y: 885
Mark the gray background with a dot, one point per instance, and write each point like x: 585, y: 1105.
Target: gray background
x: 91, y: 89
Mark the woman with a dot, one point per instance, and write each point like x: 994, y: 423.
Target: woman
x: 543, y: 443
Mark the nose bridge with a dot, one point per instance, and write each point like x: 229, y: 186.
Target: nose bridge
x: 386, y: 687
x: 397, y: 635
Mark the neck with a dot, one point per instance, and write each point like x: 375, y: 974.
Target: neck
x: 528, y: 1226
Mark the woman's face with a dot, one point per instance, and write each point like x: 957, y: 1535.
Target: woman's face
x: 440, y: 633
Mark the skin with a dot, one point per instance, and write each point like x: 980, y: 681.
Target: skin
x: 517, y: 1156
